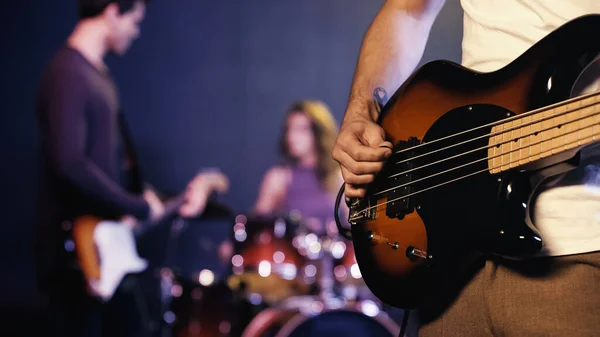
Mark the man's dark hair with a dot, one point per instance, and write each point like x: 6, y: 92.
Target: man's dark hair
x: 92, y: 8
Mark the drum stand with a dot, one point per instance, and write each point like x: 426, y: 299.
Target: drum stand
x: 326, y: 282
x: 167, y: 279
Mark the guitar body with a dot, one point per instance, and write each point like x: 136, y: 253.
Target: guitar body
x: 85, y: 247
x: 448, y: 204
x: 106, y: 252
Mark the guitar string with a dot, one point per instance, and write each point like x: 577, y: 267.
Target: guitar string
x: 489, y: 146
x: 462, y: 177
x: 525, y: 114
x: 539, y: 120
x: 486, y: 157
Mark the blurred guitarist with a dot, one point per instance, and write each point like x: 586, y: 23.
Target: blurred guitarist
x: 88, y: 167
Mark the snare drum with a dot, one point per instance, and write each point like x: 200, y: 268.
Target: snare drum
x: 266, y: 266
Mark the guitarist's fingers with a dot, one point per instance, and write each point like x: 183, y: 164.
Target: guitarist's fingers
x: 355, y: 191
x: 355, y: 149
x: 129, y: 221
x: 354, y: 179
x: 218, y: 182
x: 369, y: 154
x: 387, y: 145
x: 194, y: 205
x: 210, y: 182
x: 222, y: 184
x: 157, y: 208
x: 359, y: 167
x: 198, y: 184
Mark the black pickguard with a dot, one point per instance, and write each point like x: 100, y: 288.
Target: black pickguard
x: 470, y: 207
x: 485, y: 212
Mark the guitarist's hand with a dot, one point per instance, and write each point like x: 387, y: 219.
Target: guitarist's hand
x: 361, y: 150
x: 157, y: 208
x: 198, y: 191
x: 129, y: 221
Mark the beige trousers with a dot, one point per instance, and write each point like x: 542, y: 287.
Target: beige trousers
x: 558, y: 296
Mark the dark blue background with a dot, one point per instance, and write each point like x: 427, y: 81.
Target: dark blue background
x: 205, y: 86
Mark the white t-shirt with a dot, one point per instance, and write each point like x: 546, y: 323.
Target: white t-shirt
x: 495, y: 33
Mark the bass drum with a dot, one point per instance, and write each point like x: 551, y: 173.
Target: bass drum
x: 209, y: 311
x: 266, y: 266
x: 344, y: 322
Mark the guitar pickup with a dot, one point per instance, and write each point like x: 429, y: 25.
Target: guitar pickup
x: 400, y: 175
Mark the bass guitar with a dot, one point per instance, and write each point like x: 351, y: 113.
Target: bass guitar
x: 471, y: 152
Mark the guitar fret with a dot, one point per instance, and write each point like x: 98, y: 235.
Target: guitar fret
x: 558, y: 129
x: 529, y: 138
x: 526, y: 140
x: 493, y: 154
x: 499, y: 147
x: 520, y: 142
x: 553, y: 138
x: 579, y: 126
x: 505, y: 147
x: 570, y: 128
x: 546, y: 141
x: 510, y: 141
x: 565, y: 130
x: 595, y: 122
x: 588, y: 131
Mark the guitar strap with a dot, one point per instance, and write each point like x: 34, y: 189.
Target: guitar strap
x: 134, y: 174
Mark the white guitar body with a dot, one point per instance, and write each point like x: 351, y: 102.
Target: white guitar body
x: 106, y: 250
x: 117, y: 252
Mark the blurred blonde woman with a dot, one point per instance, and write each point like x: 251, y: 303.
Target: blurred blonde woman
x: 308, y: 178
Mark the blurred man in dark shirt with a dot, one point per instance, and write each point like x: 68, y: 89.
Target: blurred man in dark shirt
x: 89, y: 167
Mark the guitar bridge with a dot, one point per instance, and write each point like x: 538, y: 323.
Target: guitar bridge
x: 360, y: 211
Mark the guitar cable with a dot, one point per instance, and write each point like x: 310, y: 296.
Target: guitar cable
x: 405, y: 314
x: 346, y: 233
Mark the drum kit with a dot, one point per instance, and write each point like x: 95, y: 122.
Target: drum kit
x: 283, y: 280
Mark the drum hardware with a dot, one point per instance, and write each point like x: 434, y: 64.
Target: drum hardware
x: 191, y: 276
x: 166, y: 278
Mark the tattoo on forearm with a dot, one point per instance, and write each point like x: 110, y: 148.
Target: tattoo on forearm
x: 380, y: 96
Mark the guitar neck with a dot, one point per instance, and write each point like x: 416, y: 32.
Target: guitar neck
x: 171, y: 208
x: 544, y: 132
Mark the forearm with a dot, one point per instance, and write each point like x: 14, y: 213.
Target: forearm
x: 92, y: 181
x: 392, y: 47
x: 266, y: 204
x: 272, y: 191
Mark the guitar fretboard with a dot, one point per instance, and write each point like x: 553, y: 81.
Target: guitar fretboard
x: 542, y: 134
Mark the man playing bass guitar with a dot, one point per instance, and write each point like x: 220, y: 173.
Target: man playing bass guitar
x: 556, y: 292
